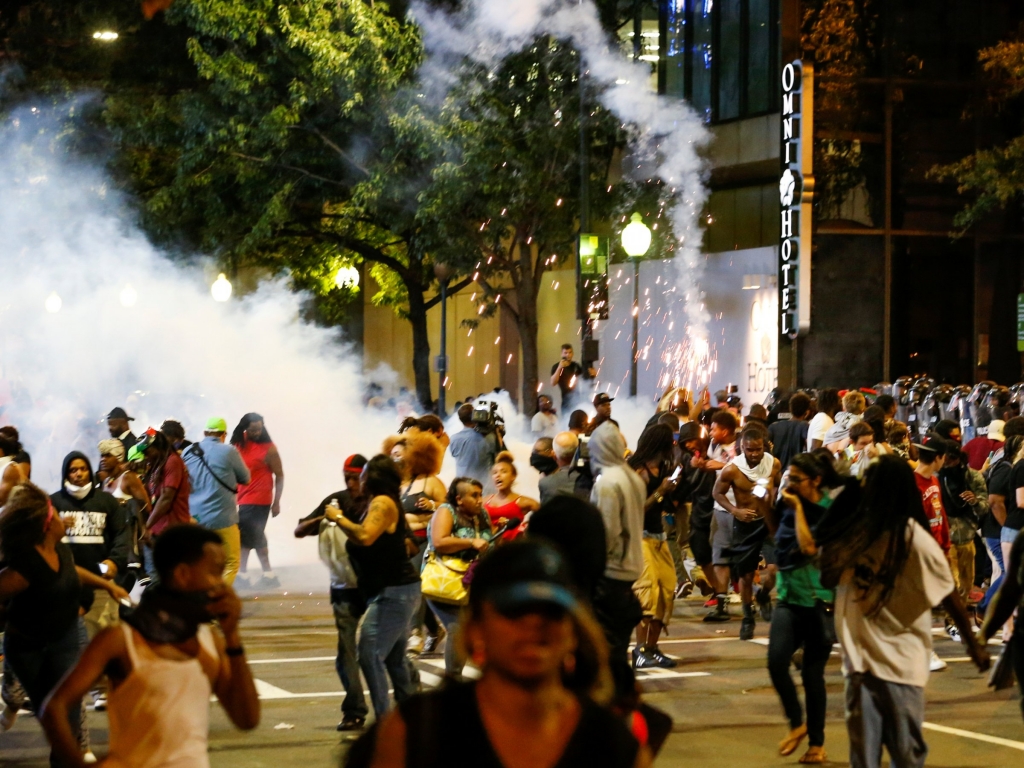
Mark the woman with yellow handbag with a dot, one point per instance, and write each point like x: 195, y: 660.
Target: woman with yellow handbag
x: 459, y: 531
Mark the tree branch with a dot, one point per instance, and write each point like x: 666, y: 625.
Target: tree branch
x: 286, y: 167
x: 452, y: 290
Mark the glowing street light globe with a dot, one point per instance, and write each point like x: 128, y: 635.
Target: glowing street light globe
x: 221, y: 288
x: 105, y: 35
x: 347, y: 277
x: 53, y: 303
x: 636, y: 237
x: 129, y: 296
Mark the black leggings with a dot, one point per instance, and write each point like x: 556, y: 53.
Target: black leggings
x: 1017, y: 649
x: 793, y: 626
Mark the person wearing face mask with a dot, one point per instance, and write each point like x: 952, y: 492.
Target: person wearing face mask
x: 164, y: 662
x: 97, y: 534
x: 542, y: 458
x: 42, y: 588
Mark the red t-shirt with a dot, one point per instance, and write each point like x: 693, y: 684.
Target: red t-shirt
x: 260, y: 490
x: 173, y: 475
x: 931, y: 496
x: 979, y: 449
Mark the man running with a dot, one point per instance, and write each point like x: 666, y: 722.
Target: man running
x: 259, y: 499
x: 745, y: 490
x: 164, y: 662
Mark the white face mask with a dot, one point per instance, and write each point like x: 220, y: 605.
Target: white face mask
x: 76, y: 491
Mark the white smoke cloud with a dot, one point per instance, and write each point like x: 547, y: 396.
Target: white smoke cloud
x: 666, y: 133
x: 175, y: 353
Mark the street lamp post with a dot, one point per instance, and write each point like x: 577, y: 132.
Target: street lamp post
x: 443, y: 273
x: 636, y: 240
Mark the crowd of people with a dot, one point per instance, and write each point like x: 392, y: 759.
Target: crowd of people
x: 824, y: 517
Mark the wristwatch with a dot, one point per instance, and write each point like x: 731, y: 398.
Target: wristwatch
x: 659, y: 498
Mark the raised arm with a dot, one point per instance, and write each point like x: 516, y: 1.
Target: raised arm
x: 380, y: 517
x: 234, y: 686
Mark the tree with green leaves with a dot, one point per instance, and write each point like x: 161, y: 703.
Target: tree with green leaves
x: 993, y: 176
x: 505, y: 203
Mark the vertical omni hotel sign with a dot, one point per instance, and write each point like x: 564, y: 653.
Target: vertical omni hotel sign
x: 796, y: 190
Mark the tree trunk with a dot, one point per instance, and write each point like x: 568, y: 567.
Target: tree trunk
x: 528, y: 326
x: 420, y: 346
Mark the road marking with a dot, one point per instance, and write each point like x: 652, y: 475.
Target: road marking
x: 267, y: 691
x: 976, y: 736
x: 291, y: 661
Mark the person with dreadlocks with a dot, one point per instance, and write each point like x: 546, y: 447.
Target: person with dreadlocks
x: 656, y: 587
x: 888, y: 572
x: 168, y: 485
x: 260, y: 499
x: 811, y: 488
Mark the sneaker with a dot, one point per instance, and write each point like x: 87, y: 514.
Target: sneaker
x: 936, y: 663
x: 684, y: 591
x: 271, y: 582
x: 241, y: 582
x: 643, y: 660
x: 7, y: 718
x: 430, y: 643
x: 720, y: 612
x: 415, y: 644
x: 99, y: 701
x: 662, y: 660
x: 711, y: 602
x: 747, y: 628
x: 89, y: 758
x: 954, y: 633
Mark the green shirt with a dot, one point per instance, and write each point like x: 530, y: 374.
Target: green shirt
x: 802, y: 586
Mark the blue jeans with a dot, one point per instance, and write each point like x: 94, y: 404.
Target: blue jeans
x: 346, y: 619
x: 382, y: 644
x: 448, y: 614
x: 40, y: 665
x: 995, y: 554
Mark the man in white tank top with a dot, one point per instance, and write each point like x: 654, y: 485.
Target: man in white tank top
x: 746, y: 489
x: 164, y: 662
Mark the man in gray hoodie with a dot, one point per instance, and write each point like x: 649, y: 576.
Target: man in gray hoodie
x: 620, y: 495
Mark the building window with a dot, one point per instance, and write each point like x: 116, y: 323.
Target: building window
x: 721, y: 56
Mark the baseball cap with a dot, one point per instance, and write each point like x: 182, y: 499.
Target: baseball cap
x: 354, y: 463
x: 931, y: 443
x: 601, y: 398
x: 216, y: 424
x: 119, y: 413
x: 995, y: 430
x: 522, y: 577
x: 689, y: 431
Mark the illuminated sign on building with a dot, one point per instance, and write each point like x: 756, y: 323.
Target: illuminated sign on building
x: 796, y: 191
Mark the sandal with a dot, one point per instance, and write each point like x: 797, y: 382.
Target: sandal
x: 814, y: 755
x: 789, y: 744
x: 352, y: 724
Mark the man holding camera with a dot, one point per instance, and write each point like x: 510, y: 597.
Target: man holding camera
x: 566, y: 375
x: 216, y: 470
x: 475, y: 447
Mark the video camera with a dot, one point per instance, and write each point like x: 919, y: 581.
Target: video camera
x: 487, y: 418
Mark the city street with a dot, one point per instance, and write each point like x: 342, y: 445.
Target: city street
x: 725, y: 710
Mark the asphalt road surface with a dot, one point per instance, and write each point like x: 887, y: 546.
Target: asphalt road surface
x: 725, y: 711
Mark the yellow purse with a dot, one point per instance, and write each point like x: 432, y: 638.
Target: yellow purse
x: 441, y: 579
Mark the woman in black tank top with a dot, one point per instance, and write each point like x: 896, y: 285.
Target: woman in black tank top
x: 544, y: 667
x: 376, y: 546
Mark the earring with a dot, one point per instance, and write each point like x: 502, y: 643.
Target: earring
x: 569, y: 663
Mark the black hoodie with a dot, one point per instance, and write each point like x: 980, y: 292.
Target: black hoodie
x: 99, y: 531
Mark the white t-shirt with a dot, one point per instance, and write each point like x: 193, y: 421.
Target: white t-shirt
x: 544, y: 424
x: 894, y: 644
x: 820, y: 424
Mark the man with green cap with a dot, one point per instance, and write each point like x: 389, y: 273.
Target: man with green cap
x: 216, y: 470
